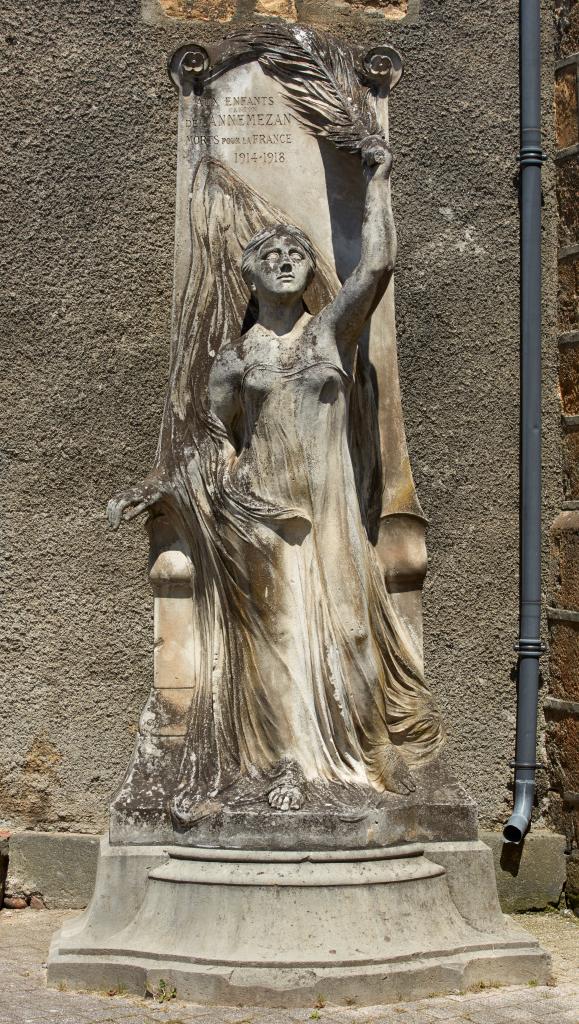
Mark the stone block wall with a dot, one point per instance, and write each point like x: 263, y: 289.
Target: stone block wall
x: 311, y: 12
x: 562, y: 705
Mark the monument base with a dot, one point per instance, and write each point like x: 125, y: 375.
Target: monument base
x: 332, y: 818
x: 357, y: 927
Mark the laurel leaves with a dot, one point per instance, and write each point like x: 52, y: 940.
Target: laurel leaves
x: 321, y: 84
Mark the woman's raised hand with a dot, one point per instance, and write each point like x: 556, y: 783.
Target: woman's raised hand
x: 375, y: 151
x: 133, y: 501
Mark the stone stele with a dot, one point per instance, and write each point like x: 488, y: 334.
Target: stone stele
x: 288, y: 826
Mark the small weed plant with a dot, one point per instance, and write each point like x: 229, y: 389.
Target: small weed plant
x: 163, y: 993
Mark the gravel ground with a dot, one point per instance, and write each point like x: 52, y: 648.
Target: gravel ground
x: 24, y: 998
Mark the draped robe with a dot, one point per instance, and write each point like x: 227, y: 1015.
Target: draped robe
x: 301, y: 656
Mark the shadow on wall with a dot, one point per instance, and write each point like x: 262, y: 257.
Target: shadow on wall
x: 511, y: 855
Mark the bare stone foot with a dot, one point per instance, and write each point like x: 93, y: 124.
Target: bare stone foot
x: 285, y: 797
x: 393, y: 774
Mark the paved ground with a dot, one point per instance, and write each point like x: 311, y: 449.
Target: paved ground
x: 24, y: 998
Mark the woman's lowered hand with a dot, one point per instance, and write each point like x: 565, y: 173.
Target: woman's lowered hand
x: 133, y: 501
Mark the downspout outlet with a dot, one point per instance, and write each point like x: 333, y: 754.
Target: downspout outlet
x: 517, y: 826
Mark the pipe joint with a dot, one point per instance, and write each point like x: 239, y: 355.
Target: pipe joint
x: 531, y: 156
x: 532, y: 765
x: 528, y: 648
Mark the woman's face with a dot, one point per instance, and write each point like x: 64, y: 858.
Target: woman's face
x: 282, y: 268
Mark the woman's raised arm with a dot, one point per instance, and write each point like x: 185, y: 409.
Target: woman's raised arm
x: 361, y: 292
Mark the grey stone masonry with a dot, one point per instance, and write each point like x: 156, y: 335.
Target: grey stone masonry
x: 56, y: 866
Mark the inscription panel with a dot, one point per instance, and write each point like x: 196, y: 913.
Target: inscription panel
x: 242, y: 127
x: 251, y: 125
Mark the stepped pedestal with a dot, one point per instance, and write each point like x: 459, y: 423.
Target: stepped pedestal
x: 357, y: 927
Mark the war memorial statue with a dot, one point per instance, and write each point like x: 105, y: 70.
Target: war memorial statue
x: 288, y: 824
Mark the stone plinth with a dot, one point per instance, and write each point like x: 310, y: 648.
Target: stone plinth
x: 282, y: 928
x: 440, y: 807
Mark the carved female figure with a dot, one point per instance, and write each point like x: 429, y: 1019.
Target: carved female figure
x: 305, y: 676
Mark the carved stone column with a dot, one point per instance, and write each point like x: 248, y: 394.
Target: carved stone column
x: 140, y: 808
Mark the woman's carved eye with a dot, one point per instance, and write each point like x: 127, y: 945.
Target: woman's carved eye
x: 273, y: 257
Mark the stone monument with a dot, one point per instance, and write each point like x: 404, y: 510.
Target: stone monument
x: 287, y: 827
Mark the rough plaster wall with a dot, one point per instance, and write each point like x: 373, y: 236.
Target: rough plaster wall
x: 85, y: 314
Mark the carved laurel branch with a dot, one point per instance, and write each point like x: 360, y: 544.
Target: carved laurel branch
x: 332, y: 89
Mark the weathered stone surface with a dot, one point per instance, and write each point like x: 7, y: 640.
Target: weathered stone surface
x: 390, y: 8
x: 569, y: 375
x: 570, y: 443
x: 222, y: 11
x: 202, y: 10
x: 281, y: 451
x: 279, y: 8
x: 523, y: 889
x: 564, y: 660
x: 567, y: 21
x: 572, y: 887
x: 568, y: 294
x: 57, y: 867
x: 276, y: 284
x: 25, y: 998
x: 567, y: 191
x: 529, y: 876
x: 565, y: 553
x: 470, y: 875
x: 567, y: 119
x: 564, y: 734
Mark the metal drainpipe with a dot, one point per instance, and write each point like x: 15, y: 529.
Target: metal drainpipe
x: 529, y: 645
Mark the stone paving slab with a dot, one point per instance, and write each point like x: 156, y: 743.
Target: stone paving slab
x: 24, y: 998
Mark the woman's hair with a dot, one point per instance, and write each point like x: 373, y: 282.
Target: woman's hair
x: 253, y: 247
